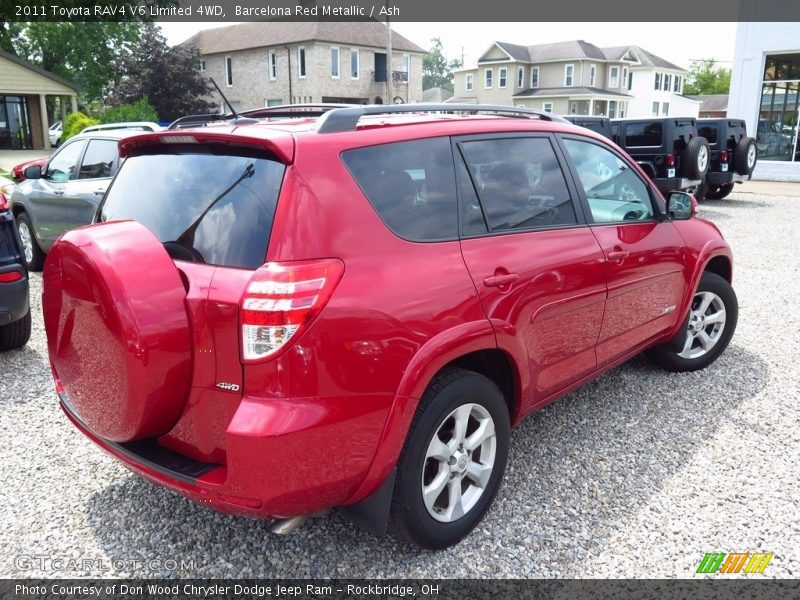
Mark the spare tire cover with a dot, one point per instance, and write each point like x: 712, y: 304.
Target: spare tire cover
x: 117, y: 329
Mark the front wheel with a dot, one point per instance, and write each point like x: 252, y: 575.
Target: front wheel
x: 453, y: 460
x: 34, y: 257
x: 16, y: 334
x: 707, y: 329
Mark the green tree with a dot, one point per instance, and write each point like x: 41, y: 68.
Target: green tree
x: 141, y: 110
x: 167, y: 77
x: 437, y: 71
x: 79, y: 51
x: 75, y: 123
x: 705, y: 77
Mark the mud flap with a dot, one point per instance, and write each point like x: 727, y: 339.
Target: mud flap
x: 372, y: 513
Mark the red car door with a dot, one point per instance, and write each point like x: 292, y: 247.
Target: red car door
x: 643, y: 253
x: 536, y: 265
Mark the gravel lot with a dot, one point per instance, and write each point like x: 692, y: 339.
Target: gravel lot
x: 637, y: 474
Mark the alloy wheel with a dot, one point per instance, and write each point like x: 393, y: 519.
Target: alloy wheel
x: 706, y: 324
x: 27, y: 240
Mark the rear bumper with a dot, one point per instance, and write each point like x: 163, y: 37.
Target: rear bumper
x: 280, y: 463
x: 672, y: 184
x: 13, y: 296
x: 719, y: 178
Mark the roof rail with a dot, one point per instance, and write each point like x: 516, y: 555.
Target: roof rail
x: 346, y: 119
x: 294, y: 110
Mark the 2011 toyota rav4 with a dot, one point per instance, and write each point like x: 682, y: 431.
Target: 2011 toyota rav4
x: 352, y: 310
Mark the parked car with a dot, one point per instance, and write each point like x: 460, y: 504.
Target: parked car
x: 771, y: 139
x: 733, y: 156
x: 351, y: 311
x: 18, y: 172
x: 55, y: 132
x: 15, y: 314
x: 669, y: 149
x: 65, y: 192
x: 601, y: 125
x: 133, y: 126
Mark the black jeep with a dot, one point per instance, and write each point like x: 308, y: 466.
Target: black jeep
x: 15, y: 314
x: 669, y: 149
x: 601, y: 125
x: 733, y: 156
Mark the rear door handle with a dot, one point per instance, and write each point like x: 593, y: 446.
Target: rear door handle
x: 501, y: 280
x: 99, y: 192
x: 617, y: 256
x: 58, y: 192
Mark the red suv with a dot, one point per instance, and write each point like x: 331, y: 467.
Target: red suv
x: 351, y: 310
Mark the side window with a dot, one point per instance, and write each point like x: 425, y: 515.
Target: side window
x: 411, y: 185
x: 643, y: 134
x: 520, y: 183
x: 615, y: 193
x: 472, y: 221
x: 62, y: 167
x: 100, y: 160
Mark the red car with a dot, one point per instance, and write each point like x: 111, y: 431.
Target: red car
x: 275, y: 318
x: 18, y: 172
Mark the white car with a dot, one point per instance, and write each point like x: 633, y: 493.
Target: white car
x: 132, y: 125
x: 55, y: 134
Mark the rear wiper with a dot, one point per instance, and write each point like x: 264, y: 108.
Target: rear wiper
x: 187, y: 237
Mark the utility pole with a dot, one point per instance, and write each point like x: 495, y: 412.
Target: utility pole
x: 389, y: 70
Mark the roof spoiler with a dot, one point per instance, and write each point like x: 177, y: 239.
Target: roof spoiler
x: 346, y: 119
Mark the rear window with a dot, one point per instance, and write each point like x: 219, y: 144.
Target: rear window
x: 643, y: 134
x: 411, y: 185
x: 709, y: 132
x: 206, y: 204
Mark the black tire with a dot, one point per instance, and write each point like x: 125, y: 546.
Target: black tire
x: 16, y: 334
x: 720, y: 192
x: 744, y: 161
x: 696, y: 158
x: 37, y: 260
x: 702, y: 190
x: 668, y: 356
x: 410, y: 518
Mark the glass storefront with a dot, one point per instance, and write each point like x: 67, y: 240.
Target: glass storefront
x: 15, y: 124
x: 777, y: 135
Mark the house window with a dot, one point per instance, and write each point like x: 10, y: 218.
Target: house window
x: 655, y: 109
x: 547, y: 107
x: 613, y: 79
x: 573, y: 108
x: 534, y: 77
x: 335, y: 62
x: 612, y: 109
x: 273, y: 66
x: 667, y: 82
x: 202, y: 65
x: 406, y: 67
x: 301, y: 62
x: 228, y: 71
x: 665, y: 109
x: 658, y: 81
x: 520, y: 76
x: 630, y: 81
x: 355, y: 60
x: 469, y: 82
x: 677, y: 88
x: 487, y: 78
x: 503, y: 77
x: 621, y: 110
x: 625, y: 76
x: 569, y: 75
x: 592, y: 75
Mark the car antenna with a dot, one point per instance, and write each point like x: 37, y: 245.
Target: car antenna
x: 236, y: 118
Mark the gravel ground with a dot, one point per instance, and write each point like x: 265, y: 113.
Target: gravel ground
x: 637, y: 474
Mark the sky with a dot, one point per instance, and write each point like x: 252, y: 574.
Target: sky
x: 696, y: 41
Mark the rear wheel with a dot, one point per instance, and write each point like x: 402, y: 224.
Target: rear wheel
x: 453, y: 460
x: 695, y: 158
x: 707, y: 330
x: 701, y: 193
x: 34, y: 257
x: 16, y: 334
x: 720, y: 192
x: 746, y: 156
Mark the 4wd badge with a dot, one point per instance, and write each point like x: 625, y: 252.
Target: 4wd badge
x: 230, y: 387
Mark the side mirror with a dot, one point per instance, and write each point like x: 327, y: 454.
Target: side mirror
x: 681, y: 206
x: 33, y: 172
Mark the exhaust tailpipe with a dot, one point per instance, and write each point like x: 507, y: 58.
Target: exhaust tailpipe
x: 287, y: 526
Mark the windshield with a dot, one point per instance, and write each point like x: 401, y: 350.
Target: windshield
x: 205, y: 204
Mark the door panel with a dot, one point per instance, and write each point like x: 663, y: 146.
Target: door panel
x: 644, y: 255
x: 539, y: 272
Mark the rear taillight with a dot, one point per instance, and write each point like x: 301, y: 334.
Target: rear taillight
x: 282, y: 298
x: 11, y: 277
x: 670, y: 160
x: 723, y: 156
